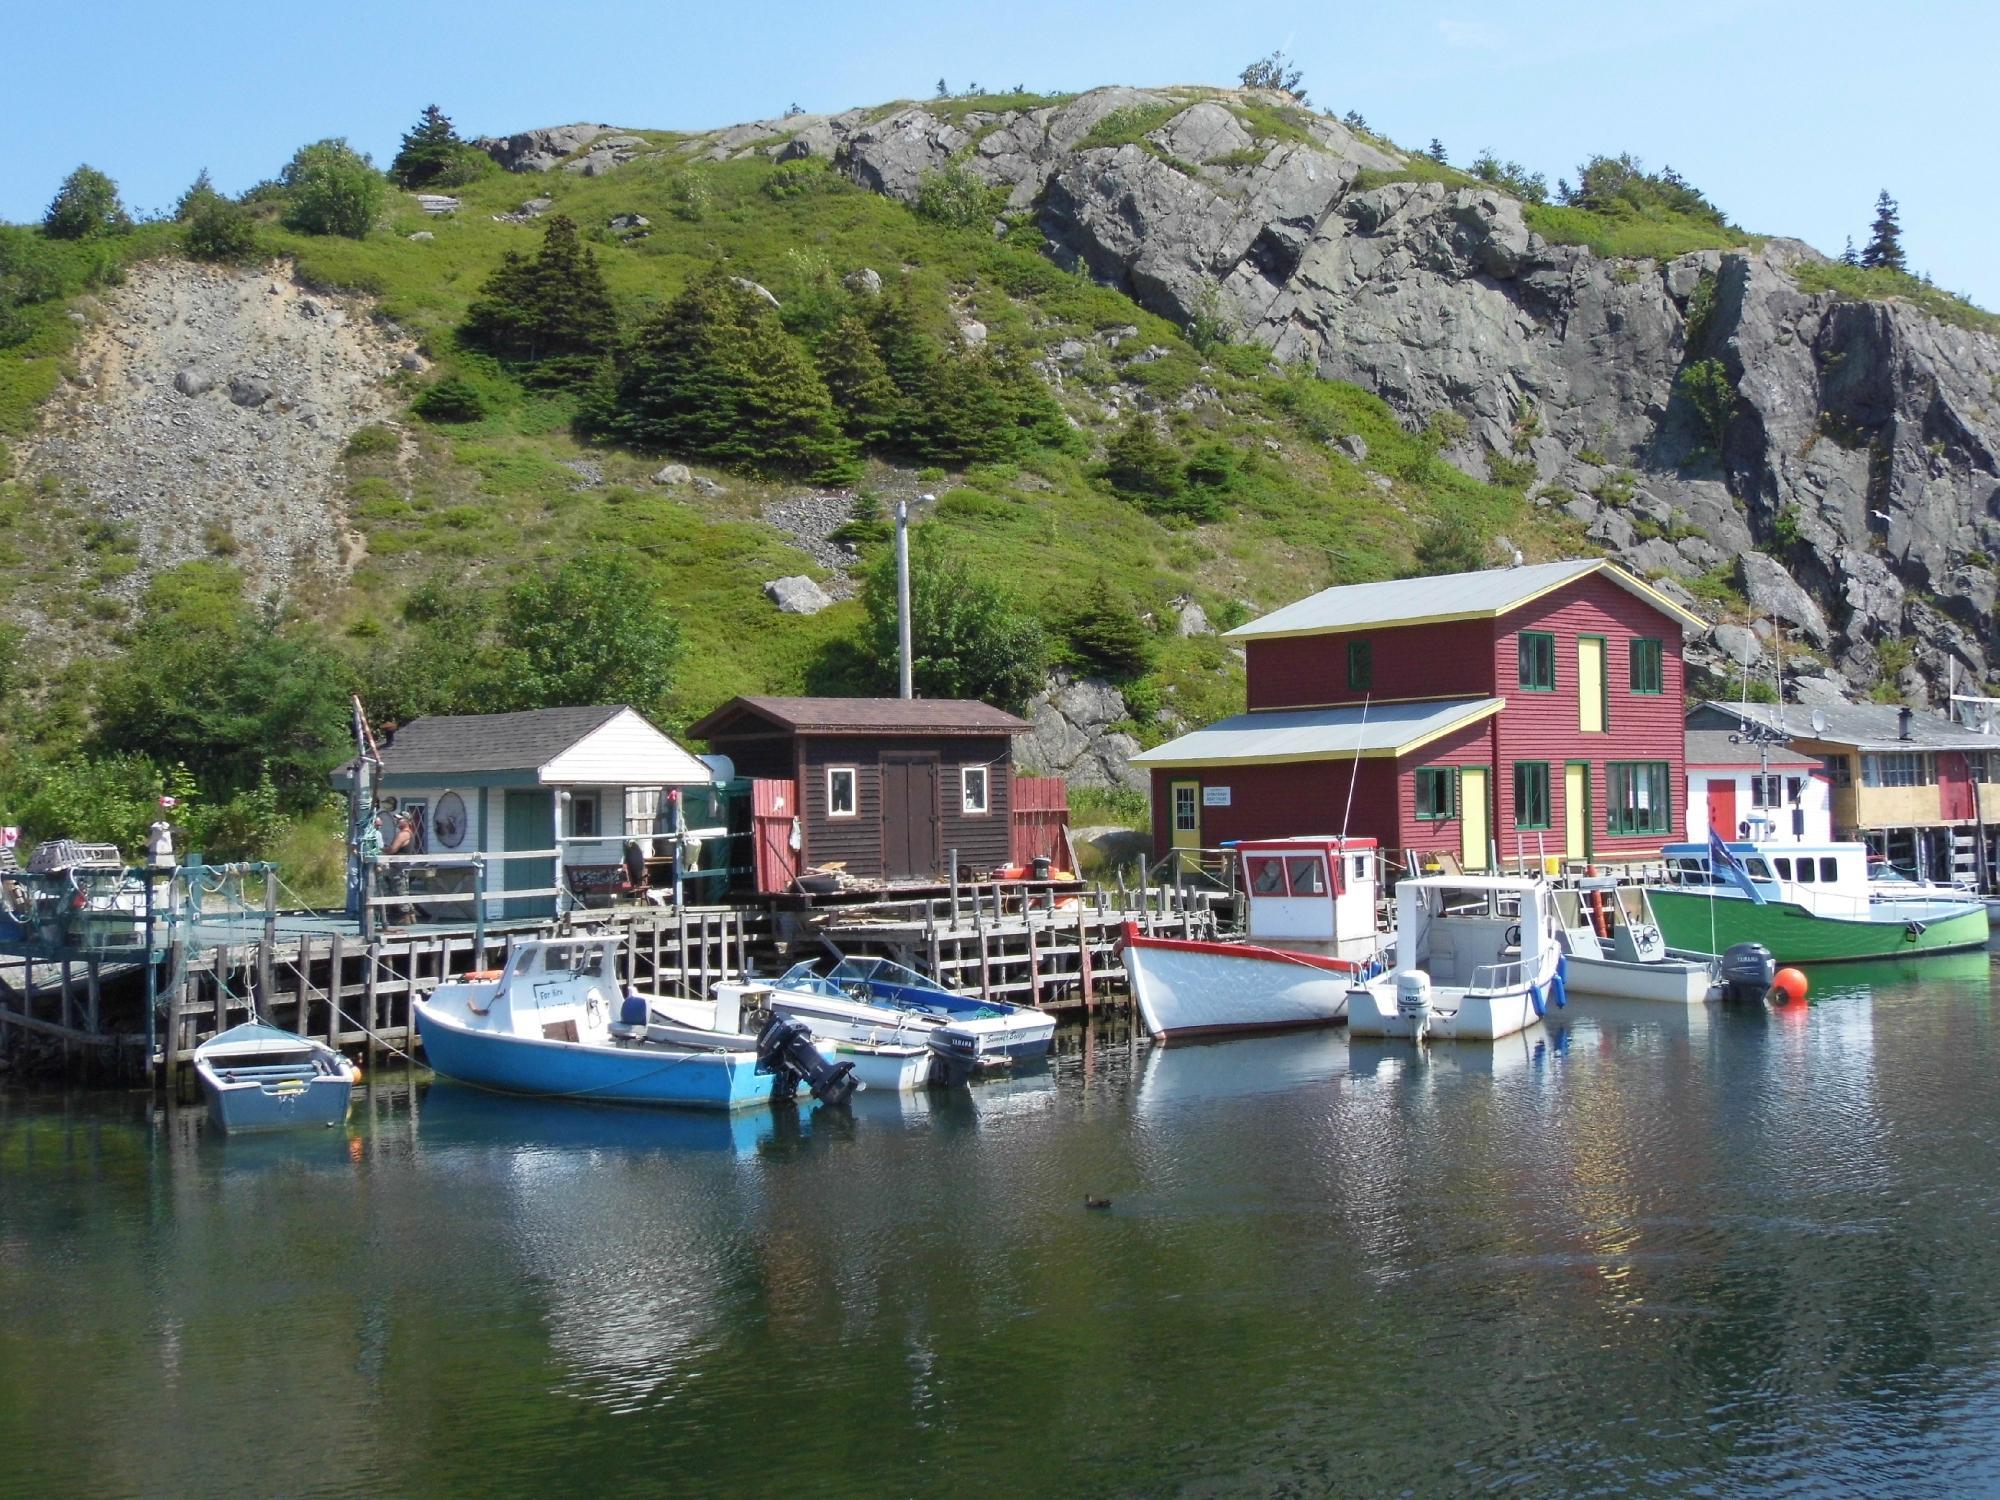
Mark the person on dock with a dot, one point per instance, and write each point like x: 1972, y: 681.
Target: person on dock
x: 402, y: 839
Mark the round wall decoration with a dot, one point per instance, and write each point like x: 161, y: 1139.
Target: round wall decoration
x: 448, y: 821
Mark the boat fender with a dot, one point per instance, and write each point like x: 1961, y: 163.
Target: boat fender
x: 1912, y: 931
x: 1559, y: 985
x: 1535, y: 999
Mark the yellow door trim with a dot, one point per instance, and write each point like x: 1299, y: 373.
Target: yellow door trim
x: 1576, y: 809
x: 1177, y: 836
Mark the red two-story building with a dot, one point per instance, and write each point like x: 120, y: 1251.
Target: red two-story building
x: 1535, y: 710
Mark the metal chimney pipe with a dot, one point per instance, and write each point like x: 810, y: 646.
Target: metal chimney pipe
x: 903, y: 598
x: 1903, y: 718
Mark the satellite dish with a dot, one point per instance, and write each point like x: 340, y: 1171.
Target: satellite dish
x: 1819, y: 721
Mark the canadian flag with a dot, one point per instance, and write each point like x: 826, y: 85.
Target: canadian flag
x: 9, y: 837
x: 170, y: 802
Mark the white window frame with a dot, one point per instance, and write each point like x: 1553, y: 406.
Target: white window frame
x: 984, y: 804
x: 577, y: 802
x: 853, y: 775
x: 1896, y: 768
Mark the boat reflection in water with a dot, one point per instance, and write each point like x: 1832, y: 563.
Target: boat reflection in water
x: 454, y: 1116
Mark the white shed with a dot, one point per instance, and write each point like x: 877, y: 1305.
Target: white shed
x: 576, y: 780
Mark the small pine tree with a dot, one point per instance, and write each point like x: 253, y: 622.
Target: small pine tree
x: 1354, y: 120
x: 715, y: 375
x: 429, y: 150
x: 199, y: 192
x: 943, y: 92
x: 1142, y: 466
x: 1275, y: 71
x: 1849, y: 256
x: 553, y: 311
x: 858, y: 381
x: 84, y: 206
x: 1885, y: 238
x: 1436, y: 152
x: 1106, y: 633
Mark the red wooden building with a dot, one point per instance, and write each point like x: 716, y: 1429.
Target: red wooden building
x: 885, y: 788
x: 1536, y: 710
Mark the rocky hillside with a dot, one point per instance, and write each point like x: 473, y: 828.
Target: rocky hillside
x: 1859, y: 450
x: 1725, y: 413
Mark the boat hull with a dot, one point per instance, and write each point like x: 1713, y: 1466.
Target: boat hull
x: 1455, y: 1017
x: 243, y: 1108
x: 1015, y: 1034
x: 1187, y: 988
x: 573, y: 1070
x: 1670, y: 981
x: 1797, y: 936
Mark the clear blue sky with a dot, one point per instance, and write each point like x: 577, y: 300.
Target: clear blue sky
x: 1790, y: 116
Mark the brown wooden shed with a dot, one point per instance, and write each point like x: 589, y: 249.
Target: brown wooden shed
x: 885, y: 787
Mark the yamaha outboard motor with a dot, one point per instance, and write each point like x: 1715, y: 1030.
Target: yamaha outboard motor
x: 1747, y: 971
x: 785, y: 1049
x: 954, y: 1055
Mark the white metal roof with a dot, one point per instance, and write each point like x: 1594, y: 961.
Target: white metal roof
x: 1350, y: 732
x: 1451, y: 596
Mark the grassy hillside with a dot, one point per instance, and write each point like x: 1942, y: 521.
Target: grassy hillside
x: 476, y: 506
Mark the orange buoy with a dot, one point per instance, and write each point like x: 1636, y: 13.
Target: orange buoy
x: 1788, y: 987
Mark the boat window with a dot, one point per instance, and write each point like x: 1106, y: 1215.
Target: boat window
x: 523, y: 961
x: 1805, y: 871
x: 1785, y: 866
x: 1360, y: 868
x: 1757, y: 869
x: 1308, y: 875
x: 1267, y: 876
x: 1829, y: 869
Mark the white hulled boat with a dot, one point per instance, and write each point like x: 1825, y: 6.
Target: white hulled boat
x: 1477, y: 957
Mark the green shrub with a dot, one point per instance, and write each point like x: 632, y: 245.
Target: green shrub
x: 797, y: 179
x: 1128, y: 126
x: 333, y: 189
x: 1712, y: 394
x: 1880, y: 284
x: 1141, y: 466
x: 85, y: 205
x: 953, y: 196
x: 689, y: 195
x: 219, y: 230
x: 372, y: 441
x: 1508, y: 472
x: 452, y: 399
x: 968, y: 637
x: 1452, y: 543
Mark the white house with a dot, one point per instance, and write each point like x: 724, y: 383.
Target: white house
x: 578, y: 780
x: 1777, y: 795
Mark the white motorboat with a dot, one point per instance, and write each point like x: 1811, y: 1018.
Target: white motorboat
x: 1477, y: 957
x: 897, y: 1059
x: 1614, y: 948
x: 1309, y: 933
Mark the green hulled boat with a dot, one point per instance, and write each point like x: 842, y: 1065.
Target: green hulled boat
x: 1817, y: 907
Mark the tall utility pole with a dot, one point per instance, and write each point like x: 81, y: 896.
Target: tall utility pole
x: 903, y: 598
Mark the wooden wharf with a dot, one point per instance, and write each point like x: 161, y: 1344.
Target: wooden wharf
x: 1049, y: 945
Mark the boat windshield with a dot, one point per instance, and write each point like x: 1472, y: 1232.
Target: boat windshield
x: 806, y: 978
x: 878, y: 972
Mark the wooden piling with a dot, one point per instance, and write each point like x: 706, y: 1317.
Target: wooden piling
x: 1034, y: 962
x: 336, y: 972
x: 301, y: 1020
x: 985, y: 971
x: 370, y: 984
x: 1083, y: 957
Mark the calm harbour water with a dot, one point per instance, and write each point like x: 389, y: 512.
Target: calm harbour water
x: 1637, y: 1252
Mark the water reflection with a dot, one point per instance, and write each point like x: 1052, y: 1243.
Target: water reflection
x: 1636, y: 1249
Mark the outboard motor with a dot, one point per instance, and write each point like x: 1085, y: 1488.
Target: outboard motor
x: 1413, y: 1001
x: 1747, y: 972
x: 954, y: 1055
x: 785, y: 1049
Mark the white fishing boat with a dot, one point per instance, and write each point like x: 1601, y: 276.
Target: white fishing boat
x: 1477, y: 957
x: 896, y: 1059
x: 1309, y: 933
x: 257, y: 1077
x: 1613, y: 947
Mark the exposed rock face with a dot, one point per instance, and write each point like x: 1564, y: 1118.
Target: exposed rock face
x: 1072, y: 737
x: 220, y: 401
x: 540, y: 150
x: 1863, y: 449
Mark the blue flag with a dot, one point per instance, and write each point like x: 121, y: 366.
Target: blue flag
x: 1726, y: 866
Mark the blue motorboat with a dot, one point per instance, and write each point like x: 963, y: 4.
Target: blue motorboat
x: 257, y: 1077
x: 886, y: 999
x: 554, y: 1024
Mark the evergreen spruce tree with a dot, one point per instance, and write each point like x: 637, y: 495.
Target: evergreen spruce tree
x: 716, y: 376
x: 1140, y: 465
x: 1436, y: 152
x: 429, y: 150
x: 1885, y: 240
x: 1107, y: 633
x: 914, y: 357
x: 553, y: 311
x: 870, y: 405
x: 1848, y: 255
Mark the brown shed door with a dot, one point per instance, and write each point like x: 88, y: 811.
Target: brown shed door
x: 909, y: 816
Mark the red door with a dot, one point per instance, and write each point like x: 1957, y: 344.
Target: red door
x: 1954, y: 788
x: 1722, y: 807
